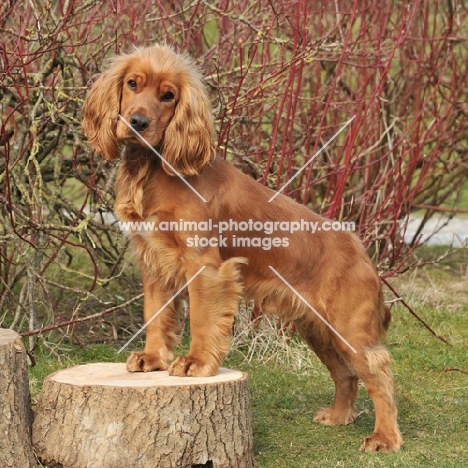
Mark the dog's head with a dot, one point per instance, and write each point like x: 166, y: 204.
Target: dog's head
x: 160, y: 94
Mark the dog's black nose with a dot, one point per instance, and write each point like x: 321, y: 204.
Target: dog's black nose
x: 139, y: 122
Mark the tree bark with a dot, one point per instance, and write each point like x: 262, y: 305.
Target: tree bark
x: 101, y: 416
x: 15, y: 404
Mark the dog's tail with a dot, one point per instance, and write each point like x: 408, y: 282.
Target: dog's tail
x: 384, y: 314
x: 387, y: 317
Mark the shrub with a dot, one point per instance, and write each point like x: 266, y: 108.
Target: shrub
x: 283, y: 78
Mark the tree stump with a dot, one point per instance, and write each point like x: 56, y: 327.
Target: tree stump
x: 15, y: 404
x: 102, y: 416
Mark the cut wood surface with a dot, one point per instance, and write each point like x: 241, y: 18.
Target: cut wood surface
x: 15, y: 404
x: 101, y: 416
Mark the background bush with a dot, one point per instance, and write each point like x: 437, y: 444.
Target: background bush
x: 283, y: 78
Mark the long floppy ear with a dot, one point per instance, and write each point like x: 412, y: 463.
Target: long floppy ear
x: 188, y: 140
x: 100, y: 112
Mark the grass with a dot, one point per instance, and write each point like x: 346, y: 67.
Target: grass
x: 288, y: 386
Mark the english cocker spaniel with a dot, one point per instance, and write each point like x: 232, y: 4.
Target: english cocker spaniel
x: 196, y: 221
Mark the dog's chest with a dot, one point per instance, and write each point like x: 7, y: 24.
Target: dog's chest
x: 157, y: 251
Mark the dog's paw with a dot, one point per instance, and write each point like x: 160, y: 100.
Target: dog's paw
x: 187, y: 366
x: 145, y: 362
x: 381, y: 443
x: 332, y: 417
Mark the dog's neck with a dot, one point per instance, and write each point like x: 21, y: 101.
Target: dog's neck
x: 138, y: 164
x: 137, y: 154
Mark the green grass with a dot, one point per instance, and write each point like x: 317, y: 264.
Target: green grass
x: 431, y: 390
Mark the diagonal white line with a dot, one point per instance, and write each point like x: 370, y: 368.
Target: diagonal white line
x: 156, y: 152
x: 313, y: 309
x: 161, y: 309
x: 312, y: 158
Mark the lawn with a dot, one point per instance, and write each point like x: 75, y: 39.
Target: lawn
x: 287, y: 387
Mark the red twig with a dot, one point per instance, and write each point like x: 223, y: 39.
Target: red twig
x: 410, y: 309
x: 66, y: 323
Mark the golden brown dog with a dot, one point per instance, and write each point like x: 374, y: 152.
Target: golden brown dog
x: 324, y: 281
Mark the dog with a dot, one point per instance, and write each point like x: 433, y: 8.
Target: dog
x: 150, y: 108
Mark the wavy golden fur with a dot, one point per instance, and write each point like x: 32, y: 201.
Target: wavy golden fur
x: 161, y: 95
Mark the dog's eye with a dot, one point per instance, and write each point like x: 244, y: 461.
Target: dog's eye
x: 132, y: 84
x: 169, y: 96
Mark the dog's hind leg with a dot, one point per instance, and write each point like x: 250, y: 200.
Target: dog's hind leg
x: 346, y: 386
x: 346, y: 382
x: 360, y: 356
x: 372, y: 364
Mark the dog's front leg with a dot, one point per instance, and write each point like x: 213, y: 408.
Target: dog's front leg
x: 214, y: 298
x: 161, y: 330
